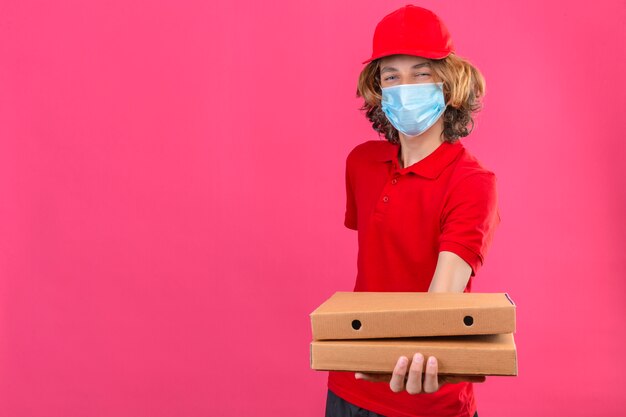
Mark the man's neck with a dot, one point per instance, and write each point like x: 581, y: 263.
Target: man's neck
x: 414, y: 149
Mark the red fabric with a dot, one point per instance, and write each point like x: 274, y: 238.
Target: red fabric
x: 405, y: 217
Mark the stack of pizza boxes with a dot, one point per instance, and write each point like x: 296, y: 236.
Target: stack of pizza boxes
x: 469, y: 333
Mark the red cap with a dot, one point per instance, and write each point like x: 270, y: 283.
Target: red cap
x: 411, y: 30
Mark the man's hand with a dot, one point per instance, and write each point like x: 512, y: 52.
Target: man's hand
x: 414, y: 383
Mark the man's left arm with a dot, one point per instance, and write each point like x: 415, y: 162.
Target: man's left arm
x: 451, y: 273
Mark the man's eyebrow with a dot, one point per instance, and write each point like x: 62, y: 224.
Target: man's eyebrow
x: 390, y: 69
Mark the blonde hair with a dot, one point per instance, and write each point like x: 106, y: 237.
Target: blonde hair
x: 463, y: 90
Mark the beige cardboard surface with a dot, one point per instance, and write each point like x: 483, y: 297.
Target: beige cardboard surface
x: 366, y: 315
x: 463, y: 355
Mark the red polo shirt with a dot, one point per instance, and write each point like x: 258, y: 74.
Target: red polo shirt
x: 405, y: 217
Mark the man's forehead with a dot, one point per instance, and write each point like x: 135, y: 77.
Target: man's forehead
x: 392, y: 63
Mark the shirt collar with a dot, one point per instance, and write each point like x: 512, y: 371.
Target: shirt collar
x: 429, y: 167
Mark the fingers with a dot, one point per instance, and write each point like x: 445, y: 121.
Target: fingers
x: 414, y: 382
x: 431, y: 383
x: 372, y: 377
x: 399, y: 372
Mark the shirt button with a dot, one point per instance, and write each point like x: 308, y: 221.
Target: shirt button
x: 394, y: 181
x: 385, y: 199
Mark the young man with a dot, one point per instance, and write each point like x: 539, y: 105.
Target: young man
x: 425, y: 209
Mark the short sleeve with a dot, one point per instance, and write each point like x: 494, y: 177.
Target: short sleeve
x: 350, y: 220
x: 469, y: 219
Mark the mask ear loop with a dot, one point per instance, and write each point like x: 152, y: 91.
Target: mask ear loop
x: 443, y: 89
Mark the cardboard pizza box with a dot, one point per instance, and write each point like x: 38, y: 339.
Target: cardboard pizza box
x: 369, y: 315
x: 456, y: 355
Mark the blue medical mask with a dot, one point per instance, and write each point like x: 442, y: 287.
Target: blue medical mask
x: 413, y: 108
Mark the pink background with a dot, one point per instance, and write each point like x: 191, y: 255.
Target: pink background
x: 171, y: 207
